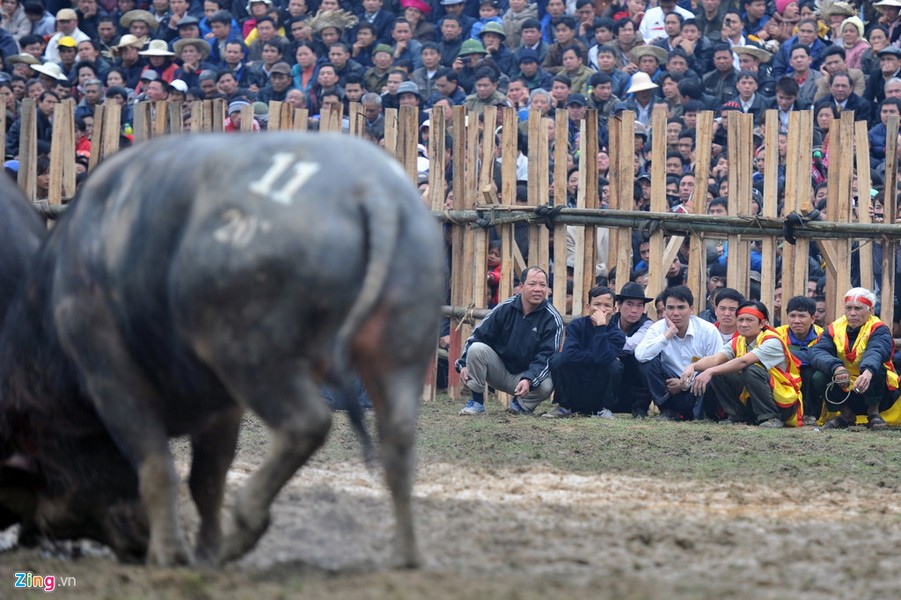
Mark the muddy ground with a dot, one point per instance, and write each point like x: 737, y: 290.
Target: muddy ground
x: 527, y: 508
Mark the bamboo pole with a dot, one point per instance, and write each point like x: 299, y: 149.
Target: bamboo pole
x: 656, y: 270
x: 864, y: 249
x: 454, y: 384
x: 768, y: 209
x: 890, y: 215
x: 28, y: 149
x: 141, y: 129
x: 697, y: 252
x: 561, y: 130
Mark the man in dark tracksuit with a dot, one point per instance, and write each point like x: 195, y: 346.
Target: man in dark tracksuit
x: 511, y: 348
x: 583, y: 370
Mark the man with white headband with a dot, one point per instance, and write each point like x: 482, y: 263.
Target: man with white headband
x: 856, y: 351
x: 754, y: 375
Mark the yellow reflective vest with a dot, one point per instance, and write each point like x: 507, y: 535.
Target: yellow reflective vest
x: 786, y: 384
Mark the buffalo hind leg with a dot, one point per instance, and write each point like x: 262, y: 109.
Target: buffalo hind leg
x: 124, y: 400
x: 290, y: 404
x: 213, y: 449
x: 395, y: 396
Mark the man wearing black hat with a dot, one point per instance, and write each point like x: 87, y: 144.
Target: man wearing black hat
x: 630, y: 384
x: 583, y: 371
x: 889, y: 67
x: 530, y: 70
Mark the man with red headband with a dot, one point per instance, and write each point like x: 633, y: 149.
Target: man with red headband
x: 856, y: 353
x: 754, y: 376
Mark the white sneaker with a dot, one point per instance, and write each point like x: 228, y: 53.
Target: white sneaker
x: 604, y: 413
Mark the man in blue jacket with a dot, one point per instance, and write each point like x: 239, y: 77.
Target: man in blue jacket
x: 511, y: 348
x: 584, y: 369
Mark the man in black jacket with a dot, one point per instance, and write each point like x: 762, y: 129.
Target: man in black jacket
x: 583, y: 370
x: 511, y: 348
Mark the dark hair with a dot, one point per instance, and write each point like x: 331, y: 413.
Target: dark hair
x: 620, y: 23
x: 745, y: 74
x: 564, y: 80
x: 728, y: 294
x: 573, y: 48
x: 600, y: 290
x: 567, y: 20
x: 833, y: 50
x: 803, y: 47
x: 221, y: 16
x: 891, y: 101
x: 678, y: 292
x: 484, y: 72
x: 692, y: 88
x: 265, y: 19
x: 429, y: 46
x: 527, y: 24
x: 801, y: 304
x: 788, y: 86
x: 525, y: 273
x: 599, y: 79
x: 722, y: 47
x: 719, y: 202
x: 756, y: 304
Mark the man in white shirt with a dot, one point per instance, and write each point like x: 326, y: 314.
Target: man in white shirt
x: 669, y: 346
x: 66, y: 25
x: 652, y: 25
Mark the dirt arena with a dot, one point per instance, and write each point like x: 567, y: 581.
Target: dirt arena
x: 526, y: 508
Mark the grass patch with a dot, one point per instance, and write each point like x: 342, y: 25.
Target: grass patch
x: 650, y: 447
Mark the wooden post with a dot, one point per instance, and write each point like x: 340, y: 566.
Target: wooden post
x: 697, y: 252
x: 275, y: 116
x: 740, y: 170
x: 301, y: 119
x: 534, y: 178
x: 484, y: 182
x: 561, y: 131
x: 141, y: 127
x: 357, y: 121
x: 68, y: 187
x: 391, y: 131
x: 889, y: 216
x: 208, y: 117
x: 112, y: 129
x: 176, y: 117
x: 407, y: 150
x: 657, y: 270
x: 62, y: 150
x: 198, y: 108
x: 437, y: 157
x: 843, y: 246
x: 864, y: 247
x: 457, y: 266
x: 471, y: 196
x: 509, y: 250
x: 97, y: 137
x: 161, y: 118
x: 28, y: 148
x: 768, y: 209
x: 247, y: 118
x: 218, y: 115
x: 589, y: 175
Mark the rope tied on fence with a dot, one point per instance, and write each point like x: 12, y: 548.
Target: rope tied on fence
x: 467, y: 316
x: 548, y: 215
x: 647, y: 226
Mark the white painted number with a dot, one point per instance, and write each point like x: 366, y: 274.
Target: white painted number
x: 282, y: 162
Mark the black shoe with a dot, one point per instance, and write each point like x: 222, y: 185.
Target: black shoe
x: 837, y: 423
x: 669, y: 415
x: 639, y: 413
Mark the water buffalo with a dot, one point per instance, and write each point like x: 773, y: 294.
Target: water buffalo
x: 194, y: 277
x: 21, y: 232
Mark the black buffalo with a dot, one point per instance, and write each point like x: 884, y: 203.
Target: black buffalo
x: 195, y: 277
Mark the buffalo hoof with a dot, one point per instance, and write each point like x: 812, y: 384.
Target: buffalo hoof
x: 172, y: 553
x: 243, y: 534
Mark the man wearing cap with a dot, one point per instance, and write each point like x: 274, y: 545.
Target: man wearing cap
x: 890, y: 17
x: 66, y: 25
x: 630, y: 384
x: 408, y: 95
x: 530, y: 71
x: 576, y: 105
x: 493, y: 36
x: 139, y: 23
x: 471, y: 58
x: 280, y: 83
x: 669, y: 346
x: 67, y: 53
x: 889, y: 67
x: 754, y: 375
x: 455, y: 8
x: 232, y: 122
x: 191, y: 52
x: 855, y: 353
x: 188, y: 28
x: 641, y: 99
x: 376, y: 77
x: 583, y: 370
